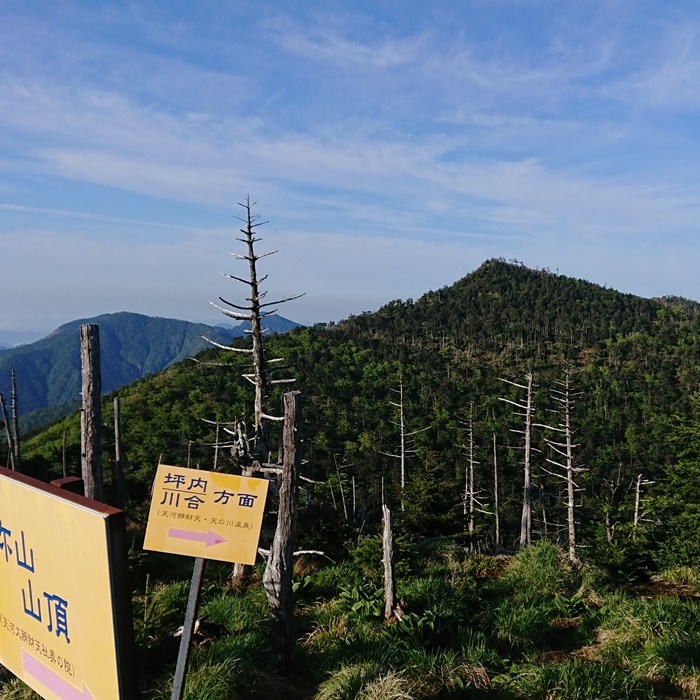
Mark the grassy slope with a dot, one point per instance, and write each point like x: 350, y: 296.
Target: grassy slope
x: 528, y: 626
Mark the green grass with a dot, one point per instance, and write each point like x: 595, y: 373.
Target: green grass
x: 574, y: 680
x: 521, y: 628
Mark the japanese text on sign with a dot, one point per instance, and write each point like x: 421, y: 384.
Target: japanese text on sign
x: 206, y: 514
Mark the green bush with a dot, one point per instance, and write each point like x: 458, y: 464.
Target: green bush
x: 367, y: 554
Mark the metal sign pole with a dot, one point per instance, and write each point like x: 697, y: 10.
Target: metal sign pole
x: 187, y: 629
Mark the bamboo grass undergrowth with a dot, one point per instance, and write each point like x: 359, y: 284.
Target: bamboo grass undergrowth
x: 528, y: 627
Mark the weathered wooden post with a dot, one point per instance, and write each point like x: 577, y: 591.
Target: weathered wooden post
x: 91, y: 414
x: 277, y: 578
x: 389, y: 579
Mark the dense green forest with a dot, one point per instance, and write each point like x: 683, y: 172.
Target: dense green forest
x: 481, y: 617
x: 633, y: 361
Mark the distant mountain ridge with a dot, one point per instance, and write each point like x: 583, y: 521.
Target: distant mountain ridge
x: 11, y: 339
x: 132, y: 346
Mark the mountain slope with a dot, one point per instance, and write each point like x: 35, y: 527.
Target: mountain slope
x: 635, y: 370
x: 131, y: 346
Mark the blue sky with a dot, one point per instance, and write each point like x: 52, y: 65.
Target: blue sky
x: 393, y: 146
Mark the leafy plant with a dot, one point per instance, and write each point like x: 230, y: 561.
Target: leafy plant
x: 363, y: 602
x: 569, y: 607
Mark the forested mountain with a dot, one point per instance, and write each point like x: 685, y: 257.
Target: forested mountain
x: 132, y: 346
x: 634, y: 370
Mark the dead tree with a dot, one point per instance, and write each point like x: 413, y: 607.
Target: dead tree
x: 340, y: 485
x: 15, y: 421
x: 255, y: 312
x: 638, y: 513
x: 91, y: 414
x: 8, y: 433
x: 496, y: 512
x: 527, y: 412
x: 64, y: 461
x: 277, y: 578
x: 612, y: 498
x: 251, y: 452
x: 220, y: 425
x: 471, y: 500
x: 564, y: 399
x: 406, y: 446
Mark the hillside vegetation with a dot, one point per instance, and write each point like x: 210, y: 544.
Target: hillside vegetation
x: 481, y: 622
x: 132, y: 346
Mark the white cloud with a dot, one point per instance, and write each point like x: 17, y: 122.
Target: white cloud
x: 395, y: 158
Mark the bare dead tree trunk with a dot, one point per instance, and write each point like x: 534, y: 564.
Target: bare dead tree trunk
x: 570, y: 485
x: 255, y: 312
x: 119, y: 481
x: 564, y: 399
x: 495, y: 494
x: 638, y: 503
x: 252, y: 452
x: 216, y: 447
x: 613, y: 486
x: 527, y: 413
x: 472, y: 493
x: 15, y: 422
x: 402, y: 422
x: 91, y: 415
x: 545, y: 524
x: 64, y: 456
x: 406, y: 447
x: 353, y: 497
x: 388, y: 560
x: 637, y: 499
x: 526, y: 519
x: 340, y: 484
x: 277, y: 578
x: 8, y: 433
x: 470, y: 497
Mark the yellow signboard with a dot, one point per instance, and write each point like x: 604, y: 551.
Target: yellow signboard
x: 206, y: 514
x: 61, y: 592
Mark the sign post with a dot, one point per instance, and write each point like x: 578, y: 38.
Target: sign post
x: 65, y: 607
x: 207, y: 515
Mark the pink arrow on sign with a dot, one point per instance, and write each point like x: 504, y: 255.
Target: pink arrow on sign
x: 52, y: 681
x: 209, y: 538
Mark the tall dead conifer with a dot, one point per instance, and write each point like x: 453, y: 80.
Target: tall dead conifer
x: 564, y: 399
x: 406, y: 446
x: 15, y: 421
x: 254, y: 312
x: 250, y: 451
x: 527, y: 412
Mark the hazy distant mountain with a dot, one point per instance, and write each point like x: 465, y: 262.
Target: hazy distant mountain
x: 10, y: 339
x: 273, y: 324
x: 132, y: 346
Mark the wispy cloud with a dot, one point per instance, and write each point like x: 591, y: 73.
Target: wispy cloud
x: 408, y: 145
